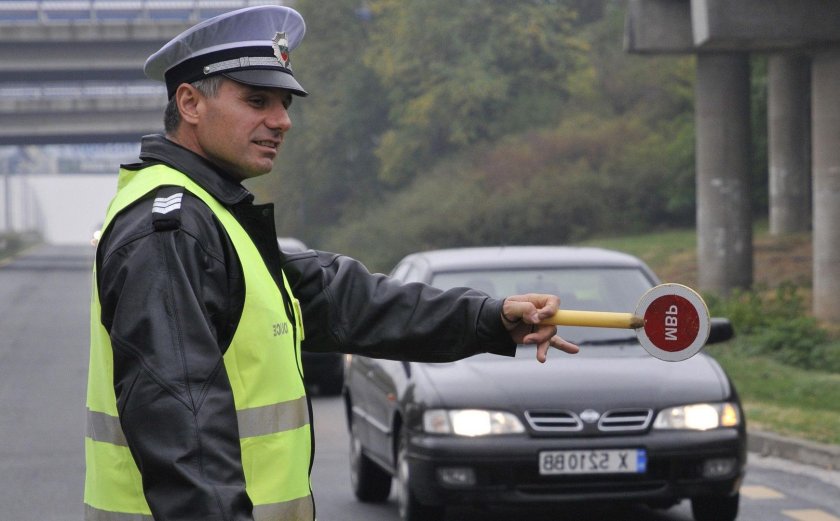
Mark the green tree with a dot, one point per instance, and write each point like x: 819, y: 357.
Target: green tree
x: 616, y: 157
x: 527, y: 121
x: 458, y: 73
x: 328, y: 163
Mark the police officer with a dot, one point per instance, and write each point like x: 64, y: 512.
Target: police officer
x: 196, y: 407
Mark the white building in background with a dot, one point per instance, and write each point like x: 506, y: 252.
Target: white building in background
x: 60, y: 192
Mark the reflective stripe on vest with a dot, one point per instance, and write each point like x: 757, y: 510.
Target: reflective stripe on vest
x: 262, y: 367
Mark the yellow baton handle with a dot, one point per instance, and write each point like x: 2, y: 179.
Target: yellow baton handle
x: 568, y: 317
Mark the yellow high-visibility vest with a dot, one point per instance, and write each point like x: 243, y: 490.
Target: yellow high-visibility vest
x: 268, y: 390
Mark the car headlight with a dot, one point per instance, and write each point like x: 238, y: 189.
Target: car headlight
x: 471, y: 422
x: 700, y: 417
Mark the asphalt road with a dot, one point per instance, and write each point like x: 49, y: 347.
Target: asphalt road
x: 44, y: 302
x: 44, y: 305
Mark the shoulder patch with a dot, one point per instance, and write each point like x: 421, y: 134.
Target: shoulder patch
x: 165, y: 205
x: 166, y: 208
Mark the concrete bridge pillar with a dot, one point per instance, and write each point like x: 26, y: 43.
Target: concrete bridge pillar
x: 789, y: 143
x: 826, y: 172
x: 724, y: 223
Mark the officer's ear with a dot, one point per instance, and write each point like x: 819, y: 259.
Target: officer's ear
x: 187, y: 99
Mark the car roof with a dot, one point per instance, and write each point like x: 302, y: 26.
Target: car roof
x: 457, y: 259
x: 290, y: 244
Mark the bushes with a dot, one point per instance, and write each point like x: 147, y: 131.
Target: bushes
x: 554, y: 186
x: 775, y: 324
x: 11, y: 243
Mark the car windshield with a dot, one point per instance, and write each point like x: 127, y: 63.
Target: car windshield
x: 585, y: 289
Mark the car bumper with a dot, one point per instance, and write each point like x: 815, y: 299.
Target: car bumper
x: 505, y: 469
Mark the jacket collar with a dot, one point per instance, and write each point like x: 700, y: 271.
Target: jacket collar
x: 156, y: 148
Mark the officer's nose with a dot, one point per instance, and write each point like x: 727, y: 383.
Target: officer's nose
x: 278, y: 119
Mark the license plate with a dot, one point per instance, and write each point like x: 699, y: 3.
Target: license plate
x: 612, y: 461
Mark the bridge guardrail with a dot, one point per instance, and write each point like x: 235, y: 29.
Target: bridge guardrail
x: 80, y: 96
x: 98, y: 11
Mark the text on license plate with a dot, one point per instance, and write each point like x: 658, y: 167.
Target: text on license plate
x: 610, y: 461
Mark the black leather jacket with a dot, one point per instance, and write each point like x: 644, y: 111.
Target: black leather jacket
x: 172, y: 293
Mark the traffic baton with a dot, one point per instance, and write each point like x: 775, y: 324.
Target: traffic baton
x: 671, y: 321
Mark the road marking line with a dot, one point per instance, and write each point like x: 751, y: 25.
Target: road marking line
x: 759, y: 492
x: 810, y: 515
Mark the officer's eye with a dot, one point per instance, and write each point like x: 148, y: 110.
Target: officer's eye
x: 257, y: 101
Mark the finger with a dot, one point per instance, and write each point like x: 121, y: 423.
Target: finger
x: 541, y: 336
x: 558, y: 343
x: 544, y: 306
x: 548, y: 306
x: 564, y: 345
x: 542, y: 352
x: 515, y: 309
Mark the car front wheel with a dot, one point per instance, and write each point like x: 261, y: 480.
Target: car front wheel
x: 410, y: 509
x: 715, y: 508
x: 370, y: 483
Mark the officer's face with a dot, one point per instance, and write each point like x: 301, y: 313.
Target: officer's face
x: 242, y: 127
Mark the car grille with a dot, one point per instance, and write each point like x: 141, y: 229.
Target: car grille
x: 618, y: 420
x: 554, y: 421
x: 625, y: 420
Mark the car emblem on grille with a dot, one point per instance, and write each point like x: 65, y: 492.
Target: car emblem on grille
x: 590, y: 416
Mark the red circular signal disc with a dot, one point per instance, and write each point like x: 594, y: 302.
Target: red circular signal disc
x: 677, y: 322
x: 671, y: 323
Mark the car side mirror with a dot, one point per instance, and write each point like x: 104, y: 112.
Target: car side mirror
x: 721, y: 330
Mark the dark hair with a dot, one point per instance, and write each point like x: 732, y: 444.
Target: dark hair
x: 172, y: 117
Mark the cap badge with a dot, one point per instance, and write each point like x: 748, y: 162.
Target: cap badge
x: 281, y: 49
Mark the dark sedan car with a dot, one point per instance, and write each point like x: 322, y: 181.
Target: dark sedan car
x: 611, y: 423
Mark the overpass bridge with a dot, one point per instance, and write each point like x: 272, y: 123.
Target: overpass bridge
x: 79, y: 112
x: 800, y: 40
x: 71, y: 70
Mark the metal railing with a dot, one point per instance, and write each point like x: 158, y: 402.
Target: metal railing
x: 86, y: 97
x: 80, y: 89
x: 99, y: 11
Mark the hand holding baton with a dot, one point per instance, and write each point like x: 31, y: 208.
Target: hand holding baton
x: 671, y: 321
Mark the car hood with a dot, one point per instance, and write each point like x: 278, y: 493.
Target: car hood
x: 612, y: 377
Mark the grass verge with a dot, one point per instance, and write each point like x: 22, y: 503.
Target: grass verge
x: 783, y: 399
